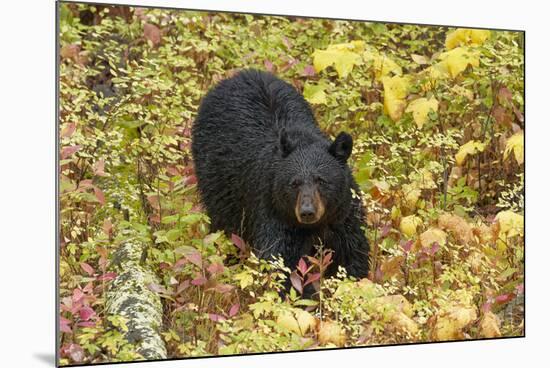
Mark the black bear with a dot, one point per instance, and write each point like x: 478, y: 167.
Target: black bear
x: 265, y: 171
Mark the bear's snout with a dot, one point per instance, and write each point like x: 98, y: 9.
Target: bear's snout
x: 309, y: 207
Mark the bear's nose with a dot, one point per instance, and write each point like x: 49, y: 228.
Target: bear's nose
x: 307, y: 212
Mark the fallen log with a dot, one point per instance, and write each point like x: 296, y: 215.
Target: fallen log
x: 130, y: 297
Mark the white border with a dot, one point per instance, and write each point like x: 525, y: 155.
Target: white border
x: 27, y: 203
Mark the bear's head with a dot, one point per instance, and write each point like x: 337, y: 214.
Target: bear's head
x: 312, y: 185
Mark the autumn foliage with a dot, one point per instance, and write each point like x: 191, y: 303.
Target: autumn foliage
x: 437, y: 119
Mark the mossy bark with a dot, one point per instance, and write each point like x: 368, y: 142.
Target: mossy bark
x: 130, y: 297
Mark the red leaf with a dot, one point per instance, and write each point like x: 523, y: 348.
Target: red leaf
x: 75, y: 352
x: 309, y: 71
x: 195, y: 258
x: 385, y: 230
x: 379, y: 275
x: 407, y: 245
x: 313, y: 260
x: 86, y: 324
x: 302, y: 266
x: 64, y: 325
x: 172, y: 170
x: 86, y: 183
x: 486, y: 307
x: 215, y: 268
x: 519, y: 289
x: 201, y: 280
x: 68, y: 130
x: 107, y: 227
x: 327, y: 259
x: 286, y: 42
x: 69, y: 150
x: 88, y: 288
x: 85, y: 313
x: 67, y: 304
x: 291, y: 62
x: 296, y: 282
x: 504, y: 95
x: 268, y: 65
x: 164, y: 265
x: 155, y: 218
x: 69, y: 51
x: 182, y: 286
x: 152, y: 33
x: 87, y: 268
x: 504, y: 298
x: 180, y: 263
x: 234, y: 309
x: 99, y: 195
x: 434, y: 248
x: 312, y: 278
x: 190, y: 180
x: 78, y: 295
x: 154, y: 201
x: 140, y: 13
x: 216, y: 317
x: 107, y: 276
x: 99, y: 168
x: 223, y: 288
x: 239, y: 242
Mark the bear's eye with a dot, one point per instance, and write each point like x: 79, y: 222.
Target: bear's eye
x: 320, y: 180
x: 295, y: 183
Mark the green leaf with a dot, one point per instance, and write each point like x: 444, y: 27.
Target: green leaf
x: 315, y: 94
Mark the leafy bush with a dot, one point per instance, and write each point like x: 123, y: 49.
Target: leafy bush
x: 436, y: 114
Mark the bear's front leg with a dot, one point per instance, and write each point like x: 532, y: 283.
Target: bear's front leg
x: 351, y: 248
x: 273, y: 239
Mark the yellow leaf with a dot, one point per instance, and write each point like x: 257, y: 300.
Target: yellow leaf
x: 342, y: 56
x: 424, y: 179
x: 451, y: 321
x: 458, y: 59
x: 515, y: 144
x: 432, y: 235
x: 382, y: 64
x: 511, y: 223
x: 478, y: 36
x: 475, y: 260
x: 459, y: 227
x: 409, y: 224
x: 420, y: 109
x: 438, y: 71
x: 306, y: 321
x: 420, y: 59
x: 405, y: 323
x: 395, y: 92
x: 490, y: 325
x: 288, y: 322
x: 315, y: 94
x: 401, y: 304
x: 331, y: 332
x: 470, y: 148
x: 356, y: 46
x: 463, y: 36
x: 297, y: 321
x: 245, y: 279
x: 392, y: 266
x: 412, y: 194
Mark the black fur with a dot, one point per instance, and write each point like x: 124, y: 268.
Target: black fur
x: 256, y: 144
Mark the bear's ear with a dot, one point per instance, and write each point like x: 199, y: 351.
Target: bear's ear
x: 341, y: 147
x: 286, y: 144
